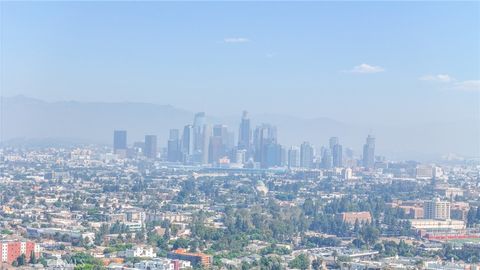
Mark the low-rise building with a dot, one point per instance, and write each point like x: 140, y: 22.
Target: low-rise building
x: 352, y: 217
x: 162, y: 264
x: 432, y: 224
x: 139, y: 251
x: 194, y: 258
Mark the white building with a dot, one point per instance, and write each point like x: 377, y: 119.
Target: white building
x: 140, y: 251
x: 347, y: 174
x: 426, y: 224
x: 162, y: 264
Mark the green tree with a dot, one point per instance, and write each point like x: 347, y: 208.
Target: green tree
x: 370, y: 234
x: 300, y: 262
x: 270, y: 263
x: 180, y: 243
x: 471, y: 217
x: 21, y: 260
x: 193, y: 246
x: 309, y: 207
x: 33, y: 258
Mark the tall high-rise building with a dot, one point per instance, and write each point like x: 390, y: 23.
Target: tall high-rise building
x: 293, y: 157
x: 207, y: 133
x: 436, y: 209
x: 306, y: 155
x: 244, y: 133
x: 337, y: 154
x: 174, y: 152
x: 216, y: 149
x: 119, y: 141
x: 220, y: 131
x: 327, y: 160
x: 187, y: 142
x: 332, y: 142
x: 271, y: 155
x: 369, y: 152
x: 283, y: 156
x: 264, y: 134
x: 199, y: 122
x: 150, y: 149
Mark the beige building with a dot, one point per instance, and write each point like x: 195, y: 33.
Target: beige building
x: 352, y: 217
x: 429, y: 224
x: 436, y: 209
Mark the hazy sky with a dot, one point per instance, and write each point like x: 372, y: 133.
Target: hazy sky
x: 364, y: 62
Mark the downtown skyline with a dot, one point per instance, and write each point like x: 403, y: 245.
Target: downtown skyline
x: 251, y: 147
x: 35, y: 122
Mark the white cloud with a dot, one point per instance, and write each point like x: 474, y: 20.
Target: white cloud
x: 236, y: 40
x: 270, y: 55
x: 443, y: 78
x: 470, y: 85
x: 366, y: 68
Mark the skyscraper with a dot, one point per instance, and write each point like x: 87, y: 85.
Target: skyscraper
x: 337, y: 154
x: 216, y: 149
x: 173, y: 151
x: 187, y: 142
x: 173, y: 146
x: 199, y: 122
x: 332, y: 142
x: 244, y: 133
x: 150, y: 150
x: 306, y: 155
x: 327, y: 159
x: 220, y: 131
x: 119, y: 141
x: 271, y: 155
x: 293, y: 157
x: 207, y: 133
x: 263, y: 135
x: 369, y: 152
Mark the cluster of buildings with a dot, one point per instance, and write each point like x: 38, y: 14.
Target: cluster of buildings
x: 134, y: 209
x: 11, y: 249
x: 202, y: 143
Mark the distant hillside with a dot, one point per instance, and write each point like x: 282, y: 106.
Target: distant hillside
x: 26, y: 119
x: 94, y: 122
